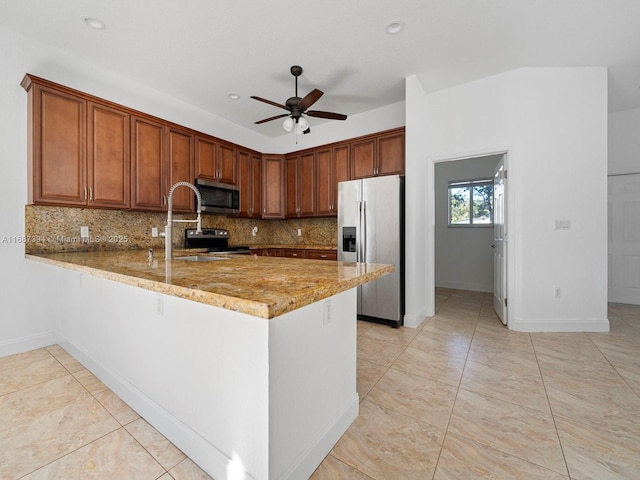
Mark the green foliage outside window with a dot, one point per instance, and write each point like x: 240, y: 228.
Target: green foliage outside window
x: 471, y: 202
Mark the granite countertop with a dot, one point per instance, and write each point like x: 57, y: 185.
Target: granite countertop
x: 264, y: 287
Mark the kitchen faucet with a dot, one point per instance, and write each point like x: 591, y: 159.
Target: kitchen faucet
x: 168, y: 244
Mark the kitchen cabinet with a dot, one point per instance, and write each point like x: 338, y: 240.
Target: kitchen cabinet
x: 249, y: 183
x: 180, y: 160
x: 332, y: 167
x: 148, y: 176
x: 301, y: 185
x: 294, y: 253
x: 273, y: 188
x: 268, y: 252
x: 380, y: 154
x: 108, y: 157
x: 78, y: 150
x: 215, y: 161
x: 322, y: 254
x: 161, y: 157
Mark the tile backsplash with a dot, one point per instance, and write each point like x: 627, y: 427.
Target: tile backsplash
x: 57, y: 229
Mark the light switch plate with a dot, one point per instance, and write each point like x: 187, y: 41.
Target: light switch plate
x: 84, y: 232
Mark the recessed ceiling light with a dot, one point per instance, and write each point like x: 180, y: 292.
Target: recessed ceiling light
x: 94, y: 23
x: 233, y: 96
x: 395, y: 27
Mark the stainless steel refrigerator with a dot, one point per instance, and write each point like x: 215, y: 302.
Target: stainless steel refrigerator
x: 371, y: 230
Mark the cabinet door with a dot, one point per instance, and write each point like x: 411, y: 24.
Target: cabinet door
x: 292, y: 195
x: 108, y: 163
x: 390, y: 154
x: 293, y: 253
x: 180, y: 167
x: 244, y: 183
x: 324, y: 182
x: 273, y: 187
x: 256, y: 186
x: 363, y: 155
x: 148, y: 165
x: 226, y: 164
x: 206, y: 151
x: 342, y: 172
x: 59, y: 164
x: 322, y: 254
x: 307, y: 185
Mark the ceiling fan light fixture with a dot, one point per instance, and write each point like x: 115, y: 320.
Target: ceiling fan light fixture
x: 303, y: 124
x: 288, y: 124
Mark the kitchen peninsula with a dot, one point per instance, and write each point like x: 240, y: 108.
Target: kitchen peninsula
x: 247, y: 363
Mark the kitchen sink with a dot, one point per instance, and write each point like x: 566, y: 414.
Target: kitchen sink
x: 200, y: 258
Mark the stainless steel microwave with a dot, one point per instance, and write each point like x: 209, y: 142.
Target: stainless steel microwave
x: 218, y: 197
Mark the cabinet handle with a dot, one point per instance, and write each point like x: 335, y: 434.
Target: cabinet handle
x: 323, y: 256
x: 294, y: 254
x: 91, y: 194
x: 164, y: 200
x: 85, y: 192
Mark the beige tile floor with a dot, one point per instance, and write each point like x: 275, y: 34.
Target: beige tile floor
x: 459, y: 398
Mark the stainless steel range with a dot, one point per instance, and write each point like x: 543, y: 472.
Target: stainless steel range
x: 215, y: 240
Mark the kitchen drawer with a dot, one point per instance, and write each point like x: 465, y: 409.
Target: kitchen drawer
x: 322, y: 254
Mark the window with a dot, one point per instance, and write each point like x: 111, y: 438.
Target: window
x: 471, y: 203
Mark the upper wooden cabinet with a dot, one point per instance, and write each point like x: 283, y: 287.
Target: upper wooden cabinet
x: 249, y: 183
x: 215, y: 161
x: 149, y: 175
x: 78, y: 150
x: 273, y: 187
x: 180, y: 160
x: 301, y: 185
x: 381, y: 154
x: 86, y: 151
x: 162, y: 156
x: 332, y: 167
x: 108, y: 156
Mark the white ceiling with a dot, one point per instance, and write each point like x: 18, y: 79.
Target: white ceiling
x: 201, y: 50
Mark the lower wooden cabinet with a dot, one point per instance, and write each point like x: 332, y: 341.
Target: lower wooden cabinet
x: 312, y: 254
x: 322, y: 254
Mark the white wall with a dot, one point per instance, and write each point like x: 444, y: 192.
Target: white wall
x: 463, y: 256
x: 553, y: 123
x: 624, y: 142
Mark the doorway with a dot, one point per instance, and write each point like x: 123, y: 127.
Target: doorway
x: 470, y: 254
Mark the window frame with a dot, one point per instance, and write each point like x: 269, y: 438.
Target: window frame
x: 469, y: 183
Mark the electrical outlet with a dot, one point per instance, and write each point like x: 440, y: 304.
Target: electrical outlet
x: 299, y: 232
x: 160, y: 305
x: 154, y: 231
x: 84, y: 232
x: 326, y: 318
x: 254, y: 231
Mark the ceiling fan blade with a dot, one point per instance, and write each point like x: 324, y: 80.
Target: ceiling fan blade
x: 272, y: 118
x: 275, y: 104
x: 329, y: 115
x: 310, y: 99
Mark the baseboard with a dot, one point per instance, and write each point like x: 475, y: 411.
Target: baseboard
x: 320, y: 447
x: 559, y: 325
x: 472, y: 287
x: 25, y: 344
x: 203, y: 453
x: 414, y: 321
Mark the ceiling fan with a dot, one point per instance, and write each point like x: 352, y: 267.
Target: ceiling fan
x: 297, y: 107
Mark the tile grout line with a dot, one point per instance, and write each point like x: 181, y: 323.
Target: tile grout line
x: 553, y: 416
x: 446, y: 430
x: 121, y: 425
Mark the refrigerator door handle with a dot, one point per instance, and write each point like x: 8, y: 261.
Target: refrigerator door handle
x: 363, y: 235
x: 359, y: 234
